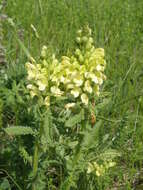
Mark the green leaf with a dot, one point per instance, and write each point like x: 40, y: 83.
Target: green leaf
x: 110, y: 154
x: 47, y: 134
x: 5, y: 185
x: 91, y: 136
x: 72, y: 121
x: 72, y: 144
x: 19, y: 130
x: 25, y: 155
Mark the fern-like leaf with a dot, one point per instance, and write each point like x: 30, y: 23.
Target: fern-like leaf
x: 18, y: 130
x: 73, y: 120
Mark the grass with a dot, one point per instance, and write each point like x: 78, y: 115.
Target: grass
x: 117, y: 27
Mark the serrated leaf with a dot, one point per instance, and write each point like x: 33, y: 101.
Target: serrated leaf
x: 91, y: 136
x: 73, y: 120
x: 47, y: 131
x: 72, y: 144
x: 110, y: 154
x: 19, y: 130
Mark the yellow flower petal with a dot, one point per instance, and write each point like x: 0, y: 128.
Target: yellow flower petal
x: 98, y: 173
x: 42, y: 86
x: 87, y: 87
x: 56, y: 91
x: 75, y: 92
x: 84, y: 99
x: 69, y: 105
x: 47, y: 101
x: 90, y: 168
x: 78, y: 81
x: 100, y: 52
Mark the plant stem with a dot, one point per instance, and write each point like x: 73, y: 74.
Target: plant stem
x: 35, y: 165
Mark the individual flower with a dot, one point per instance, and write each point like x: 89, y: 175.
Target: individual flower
x: 56, y: 91
x: 87, y: 86
x: 42, y: 85
x: 70, y: 105
x: 44, y: 52
x: 99, y: 52
x: 90, y: 168
x: 30, y: 86
x: 99, y: 68
x: 94, y: 78
x: 47, y: 101
x: 75, y: 92
x: 78, y: 81
x: 84, y: 99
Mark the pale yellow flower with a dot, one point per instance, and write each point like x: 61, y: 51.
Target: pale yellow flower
x: 75, y: 92
x: 94, y: 79
x: 78, y: 81
x: 44, y: 52
x: 98, y: 173
x: 30, y: 86
x: 56, y: 91
x: 84, y: 99
x: 47, y: 101
x: 111, y: 164
x: 33, y: 93
x: 100, y: 52
x: 90, y: 168
x: 100, y: 81
x: 99, y: 68
x: 87, y: 87
x: 70, y: 86
x: 62, y: 79
x: 42, y: 85
x: 70, y: 105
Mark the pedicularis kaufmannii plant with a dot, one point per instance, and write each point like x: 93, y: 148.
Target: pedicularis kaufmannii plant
x: 77, y: 77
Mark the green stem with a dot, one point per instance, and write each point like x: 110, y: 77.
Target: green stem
x: 35, y: 165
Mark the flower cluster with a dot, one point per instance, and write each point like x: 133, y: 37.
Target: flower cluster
x: 100, y: 169
x: 78, y: 77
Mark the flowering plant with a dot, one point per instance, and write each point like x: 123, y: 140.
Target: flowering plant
x: 77, y: 77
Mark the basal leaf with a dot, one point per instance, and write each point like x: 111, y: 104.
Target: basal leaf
x: 19, y: 130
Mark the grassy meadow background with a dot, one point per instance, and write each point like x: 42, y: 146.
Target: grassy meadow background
x: 117, y: 26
